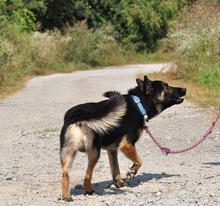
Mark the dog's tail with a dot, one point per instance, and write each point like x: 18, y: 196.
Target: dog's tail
x: 111, y: 93
x: 108, y: 116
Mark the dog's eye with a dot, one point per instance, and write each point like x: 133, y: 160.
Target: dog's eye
x: 166, y: 86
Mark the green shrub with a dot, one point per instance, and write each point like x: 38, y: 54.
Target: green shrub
x: 48, y: 49
x: 94, y: 48
x: 210, y: 76
x: 14, y: 55
x: 24, y: 54
x: 15, y: 13
x: 137, y: 24
x: 143, y: 23
x: 196, y: 45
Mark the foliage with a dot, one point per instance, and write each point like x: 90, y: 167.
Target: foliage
x: 42, y: 53
x: 102, y: 12
x: 58, y: 14
x: 94, y: 48
x: 16, y: 13
x: 38, y: 8
x: 143, y: 22
x: 196, y: 44
x: 138, y: 25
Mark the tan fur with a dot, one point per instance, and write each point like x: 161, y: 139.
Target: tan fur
x: 131, y: 153
x: 93, y: 157
x: 78, y: 138
x: 110, y: 121
x: 162, y: 96
x: 113, y: 160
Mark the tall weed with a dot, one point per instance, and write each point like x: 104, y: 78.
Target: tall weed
x: 13, y: 58
x: 48, y: 49
x: 94, y: 48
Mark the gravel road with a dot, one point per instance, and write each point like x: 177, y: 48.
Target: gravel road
x: 30, y: 171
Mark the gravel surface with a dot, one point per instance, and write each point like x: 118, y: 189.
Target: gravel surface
x: 30, y: 170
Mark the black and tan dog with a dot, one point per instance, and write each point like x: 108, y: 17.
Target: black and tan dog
x: 113, y: 124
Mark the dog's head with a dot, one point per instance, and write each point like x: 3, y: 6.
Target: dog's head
x: 161, y: 94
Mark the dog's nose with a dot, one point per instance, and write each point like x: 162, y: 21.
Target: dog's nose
x: 183, y: 91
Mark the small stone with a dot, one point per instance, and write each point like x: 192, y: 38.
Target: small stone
x: 108, y: 203
x: 112, y: 187
x: 158, y: 193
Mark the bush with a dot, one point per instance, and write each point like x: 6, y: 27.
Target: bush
x: 15, y: 13
x: 196, y: 44
x: 137, y: 24
x: 143, y: 23
x: 23, y: 54
x: 94, y: 48
x: 14, y: 55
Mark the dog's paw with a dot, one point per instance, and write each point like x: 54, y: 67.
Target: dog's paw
x: 68, y: 199
x: 130, y: 175
x: 89, y: 192
x: 120, y: 184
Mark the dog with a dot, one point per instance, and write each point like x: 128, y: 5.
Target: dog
x: 112, y: 124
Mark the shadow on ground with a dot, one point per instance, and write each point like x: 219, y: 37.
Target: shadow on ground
x: 107, y: 187
x: 212, y: 163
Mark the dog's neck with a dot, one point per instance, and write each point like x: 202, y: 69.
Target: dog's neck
x: 145, y: 101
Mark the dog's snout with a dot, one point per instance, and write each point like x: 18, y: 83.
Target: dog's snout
x: 183, y: 91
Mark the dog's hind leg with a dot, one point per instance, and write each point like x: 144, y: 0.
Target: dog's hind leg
x: 93, y: 157
x: 131, y: 153
x: 113, y: 159
x: 67, y: 158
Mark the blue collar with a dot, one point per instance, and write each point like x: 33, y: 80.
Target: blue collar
x: 140, y: 106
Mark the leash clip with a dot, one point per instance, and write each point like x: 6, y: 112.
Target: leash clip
x: 145, y: 120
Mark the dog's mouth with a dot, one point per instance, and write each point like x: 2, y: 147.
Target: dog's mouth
x: 179, y: 99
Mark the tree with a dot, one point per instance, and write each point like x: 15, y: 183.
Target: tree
x: 14, y: 12
x: 59, y: 13
x: 144, y: 22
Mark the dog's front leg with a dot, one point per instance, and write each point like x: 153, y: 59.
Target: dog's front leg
x: 113, y: 159
x: 131, y: 153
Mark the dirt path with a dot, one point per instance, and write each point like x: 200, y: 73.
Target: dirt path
x: 30, y: 172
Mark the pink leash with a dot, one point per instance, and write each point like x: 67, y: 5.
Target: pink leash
x: 167, y: 151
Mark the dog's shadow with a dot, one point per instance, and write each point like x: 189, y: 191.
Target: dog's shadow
x: 212, y: 163
x: 107, y: 187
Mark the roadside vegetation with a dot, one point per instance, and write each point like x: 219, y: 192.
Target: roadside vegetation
x: 194, y: 41
x: 47, y: 36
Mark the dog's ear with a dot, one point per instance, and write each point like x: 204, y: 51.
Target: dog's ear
x: 145, y: 85
x: 140, y: 83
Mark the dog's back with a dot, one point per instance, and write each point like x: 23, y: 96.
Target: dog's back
x: 100, y: 117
